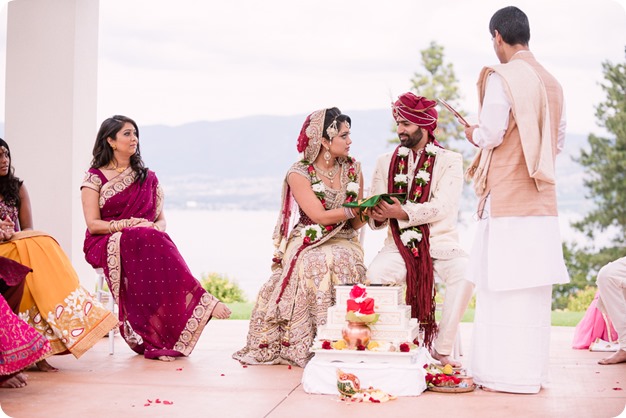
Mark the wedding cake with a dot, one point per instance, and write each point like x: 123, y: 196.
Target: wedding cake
x: 387, y: 355
x: 394, y: 321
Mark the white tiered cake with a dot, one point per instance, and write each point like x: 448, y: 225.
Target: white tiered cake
x: 390, y: 362
x: 394, y: 322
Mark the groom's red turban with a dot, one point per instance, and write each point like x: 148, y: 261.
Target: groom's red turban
x: 418, y: 110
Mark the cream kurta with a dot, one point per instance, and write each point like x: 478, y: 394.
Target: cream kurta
x: 517, y: 253
x: 536, y: 237
x: 440, y: 212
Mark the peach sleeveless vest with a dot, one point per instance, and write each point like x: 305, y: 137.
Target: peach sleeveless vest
x: 513, y: 191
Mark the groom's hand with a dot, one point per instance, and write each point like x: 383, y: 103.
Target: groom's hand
x: 383, y: 211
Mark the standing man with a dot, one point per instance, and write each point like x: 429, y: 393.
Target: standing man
x: 517, y: 254
x: 611, y: 283
x: 422, y: 237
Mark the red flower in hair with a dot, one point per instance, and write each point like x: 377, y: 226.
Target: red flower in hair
x: 303, y: 140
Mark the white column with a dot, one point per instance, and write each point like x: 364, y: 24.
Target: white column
x: 50, y: 111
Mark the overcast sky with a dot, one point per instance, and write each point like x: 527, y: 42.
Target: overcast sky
x: 172, y: 62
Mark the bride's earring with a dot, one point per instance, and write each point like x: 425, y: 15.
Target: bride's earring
x: 327, y: 157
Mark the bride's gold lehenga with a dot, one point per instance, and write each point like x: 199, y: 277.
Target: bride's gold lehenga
x: 283, y: 332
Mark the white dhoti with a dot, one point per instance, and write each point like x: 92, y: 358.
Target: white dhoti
x: 514, y: 262
x: 511, y: 340
x: 612, y: 285
x: 388, y: 268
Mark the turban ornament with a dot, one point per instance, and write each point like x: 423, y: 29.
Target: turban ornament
x: 417, y: 110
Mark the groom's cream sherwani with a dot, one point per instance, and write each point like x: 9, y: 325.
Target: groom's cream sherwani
x: 440, y: 212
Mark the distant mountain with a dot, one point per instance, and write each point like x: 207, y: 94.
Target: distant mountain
x: 249, y: 147
x: 240, y: 163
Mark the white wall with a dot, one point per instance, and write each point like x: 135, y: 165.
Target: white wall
x: 50, y: 111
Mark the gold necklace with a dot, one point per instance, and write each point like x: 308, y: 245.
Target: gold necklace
x: 330, y: 174
x: 116, y: 168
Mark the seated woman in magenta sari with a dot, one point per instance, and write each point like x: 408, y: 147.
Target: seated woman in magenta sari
x: 162, y: 307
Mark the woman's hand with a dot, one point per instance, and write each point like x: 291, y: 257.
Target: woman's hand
x: 138, y: 222
x: 7, y: 229
x: 143, y: 224
x: 221, y: 311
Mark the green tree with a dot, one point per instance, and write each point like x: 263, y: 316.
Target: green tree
x: 222, y: 288
x: 439, y: 82
x: 604, y: 162
x: 605, y: 182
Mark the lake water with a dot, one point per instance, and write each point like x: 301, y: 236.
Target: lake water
x: 238, y: 243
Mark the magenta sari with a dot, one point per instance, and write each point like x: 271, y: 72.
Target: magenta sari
x: 20, y: 344
x: 162, y: 307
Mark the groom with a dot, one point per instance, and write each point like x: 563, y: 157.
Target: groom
x: 422, y: 237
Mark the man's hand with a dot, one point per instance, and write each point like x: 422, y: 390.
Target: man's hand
x: 469, y: 134
x: 383, y: 211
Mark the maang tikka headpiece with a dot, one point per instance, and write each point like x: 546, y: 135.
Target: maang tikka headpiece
x: 332, y: 130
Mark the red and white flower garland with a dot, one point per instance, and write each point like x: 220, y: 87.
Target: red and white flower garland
x: 315, y: 232
x: 412, y: 236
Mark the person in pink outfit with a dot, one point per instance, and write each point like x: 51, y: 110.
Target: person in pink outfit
x: 612, y: 288
x: 20, y: 344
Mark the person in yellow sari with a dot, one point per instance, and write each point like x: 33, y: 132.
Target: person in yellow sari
x: 53, y: 301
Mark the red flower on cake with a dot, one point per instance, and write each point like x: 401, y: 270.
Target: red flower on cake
x: 326, y: 345
x: 405, y: 348
x: 358, y: 291
x: 360, y: 308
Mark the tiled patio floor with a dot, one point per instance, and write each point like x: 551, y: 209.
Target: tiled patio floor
x: 210, y: 384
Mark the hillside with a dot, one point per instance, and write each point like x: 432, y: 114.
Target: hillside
x: 239, y: 163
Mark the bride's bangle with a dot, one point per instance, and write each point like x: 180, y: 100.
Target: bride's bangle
x: 155, y: 226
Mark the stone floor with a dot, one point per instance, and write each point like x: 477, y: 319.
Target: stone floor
x: 210, y: 384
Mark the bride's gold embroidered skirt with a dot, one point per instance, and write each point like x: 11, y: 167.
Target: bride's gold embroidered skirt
x: 282, y: 333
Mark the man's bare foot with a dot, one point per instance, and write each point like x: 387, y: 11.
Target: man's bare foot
x: 166, y: 358
x: 618, y: 357
x: 443, y: 359
x: 14, y: 382
x: 221, y: 311
x: 44, y: 366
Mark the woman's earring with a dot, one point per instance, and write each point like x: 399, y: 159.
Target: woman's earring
x: 327, y: 157
x: 114, y: 147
